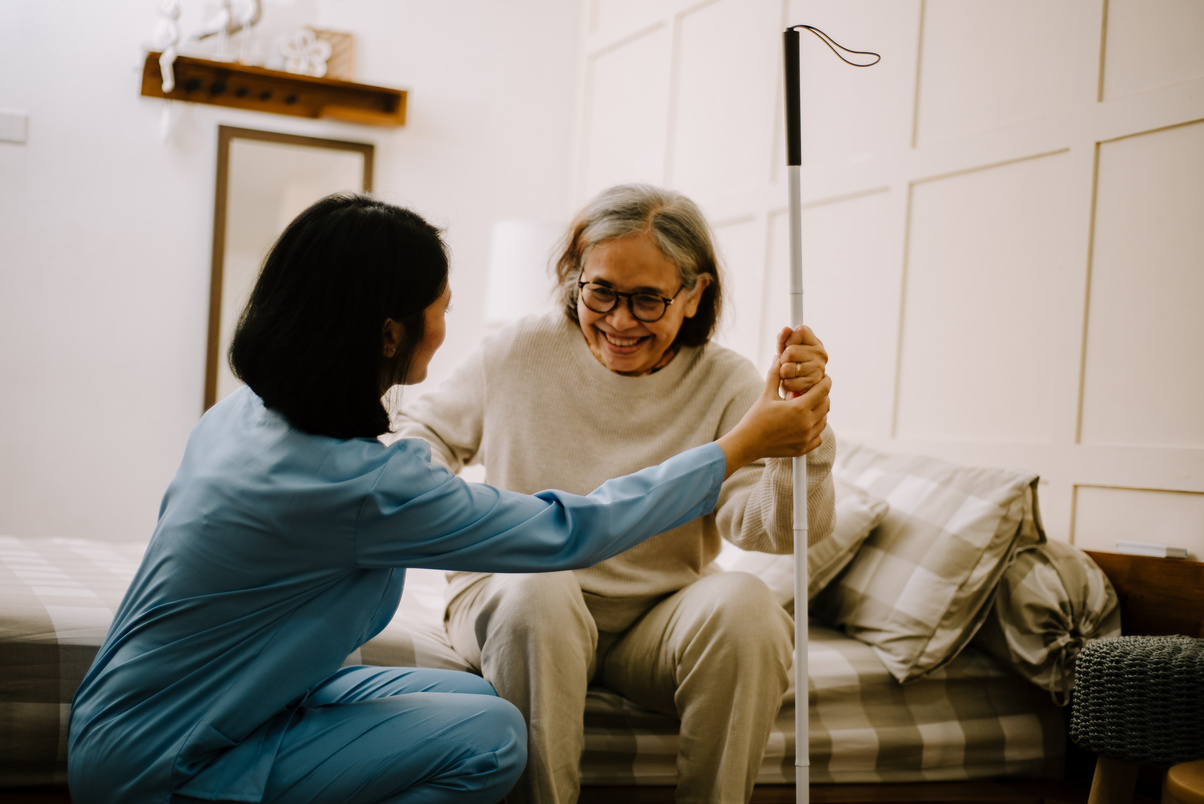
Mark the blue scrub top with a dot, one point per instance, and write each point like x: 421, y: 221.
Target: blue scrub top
x: 278, y: 553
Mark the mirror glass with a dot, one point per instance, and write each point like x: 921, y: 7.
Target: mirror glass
x: 264, y: 180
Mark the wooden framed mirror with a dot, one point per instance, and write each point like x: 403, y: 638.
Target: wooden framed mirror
x: 264, y: 179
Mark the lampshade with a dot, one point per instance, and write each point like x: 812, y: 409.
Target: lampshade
x: 519, y: 282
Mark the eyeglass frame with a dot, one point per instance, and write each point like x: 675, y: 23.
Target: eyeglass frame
x: 619, y: 295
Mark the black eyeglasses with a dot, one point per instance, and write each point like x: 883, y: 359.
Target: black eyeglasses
x: 646, y: 307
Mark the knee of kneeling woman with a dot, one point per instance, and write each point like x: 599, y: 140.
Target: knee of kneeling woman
x: 510, y: 747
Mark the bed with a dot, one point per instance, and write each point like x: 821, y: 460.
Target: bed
x: 926, y: 665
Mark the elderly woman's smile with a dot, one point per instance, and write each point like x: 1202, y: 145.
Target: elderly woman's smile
x: 634, y: 281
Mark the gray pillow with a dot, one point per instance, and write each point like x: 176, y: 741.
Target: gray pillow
x: 857, y: 512
x: 922, y: 583
x: 1052, y: 601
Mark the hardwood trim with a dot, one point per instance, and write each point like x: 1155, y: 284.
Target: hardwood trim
x: 35, y: 795
x: 1019, y: 792
x: 238, y: 86
x: 1114, y: 782
x: 217, y: 266
x: 226, y: 135
x: 1157, y: 595
x: 1039, y: 791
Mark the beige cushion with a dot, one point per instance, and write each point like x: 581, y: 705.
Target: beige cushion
x: 857, y: 512
x: 415, y: 636
x: 1052, y: 600
x: 921, y: 584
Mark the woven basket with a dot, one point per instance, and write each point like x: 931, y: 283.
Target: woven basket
x: 1141, y: 699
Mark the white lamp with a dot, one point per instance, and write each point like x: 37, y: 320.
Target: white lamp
x: 519, y: 282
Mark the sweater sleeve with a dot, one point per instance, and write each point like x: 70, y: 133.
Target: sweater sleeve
x: 756, y: 505
x: 450, y: 418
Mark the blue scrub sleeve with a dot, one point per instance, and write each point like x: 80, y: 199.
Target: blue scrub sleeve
x: 421, y: 515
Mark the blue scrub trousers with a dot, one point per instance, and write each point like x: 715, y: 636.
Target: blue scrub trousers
x: 387, y: 734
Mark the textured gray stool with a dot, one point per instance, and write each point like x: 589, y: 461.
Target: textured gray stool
x: 1138, y: 700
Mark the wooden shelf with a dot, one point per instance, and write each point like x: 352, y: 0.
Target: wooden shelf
x: 235, y: 85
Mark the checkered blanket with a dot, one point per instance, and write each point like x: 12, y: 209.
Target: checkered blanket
x: 971, y: 719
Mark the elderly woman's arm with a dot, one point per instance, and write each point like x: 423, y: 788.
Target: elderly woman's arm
x: 756, y: 509
x: 450, y: 417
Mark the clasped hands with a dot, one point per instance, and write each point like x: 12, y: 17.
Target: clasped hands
x: 789, y: 418
x: 803, y: 379
x: 802, y: 360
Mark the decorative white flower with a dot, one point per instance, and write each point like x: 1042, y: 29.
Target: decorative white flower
x: 304, y: 53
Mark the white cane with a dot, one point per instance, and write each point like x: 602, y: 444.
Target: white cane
x: 794, y: 159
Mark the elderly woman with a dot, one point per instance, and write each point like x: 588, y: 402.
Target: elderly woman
x: 623, y: 377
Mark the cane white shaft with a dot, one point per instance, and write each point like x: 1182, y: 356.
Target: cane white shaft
x: 802, y: 741
x: 794, y: 161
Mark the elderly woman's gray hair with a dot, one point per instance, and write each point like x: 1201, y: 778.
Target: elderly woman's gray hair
x: 677, y: 227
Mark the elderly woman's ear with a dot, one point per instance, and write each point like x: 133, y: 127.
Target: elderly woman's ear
x: 695, y: 297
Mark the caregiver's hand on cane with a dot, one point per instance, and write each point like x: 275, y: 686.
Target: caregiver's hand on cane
x: 778, y: 428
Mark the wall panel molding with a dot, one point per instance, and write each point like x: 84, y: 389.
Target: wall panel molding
x: 1148, y: 46
x: 931, y: 174
x: 1144, y: 327
x: 1104, y: 515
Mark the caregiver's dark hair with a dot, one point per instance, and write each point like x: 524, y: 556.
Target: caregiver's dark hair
x: 679, y: 230
x: 309, y: 340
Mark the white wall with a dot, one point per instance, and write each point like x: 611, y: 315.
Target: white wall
x: 1003, y: 246
x: 1002, y: 239
x: 105, y: 228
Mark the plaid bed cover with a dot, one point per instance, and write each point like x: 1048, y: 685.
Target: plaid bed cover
x: 57, y: 598
x: 972, y: 719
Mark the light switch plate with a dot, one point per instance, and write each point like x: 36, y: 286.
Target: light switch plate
x: 14, y: 126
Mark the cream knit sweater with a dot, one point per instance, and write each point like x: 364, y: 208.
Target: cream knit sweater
x: 539, y: 411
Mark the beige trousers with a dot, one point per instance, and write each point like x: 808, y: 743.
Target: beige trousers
x: 716, y: 654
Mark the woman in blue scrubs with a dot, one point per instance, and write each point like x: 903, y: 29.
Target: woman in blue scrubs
x: 283, y: 540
